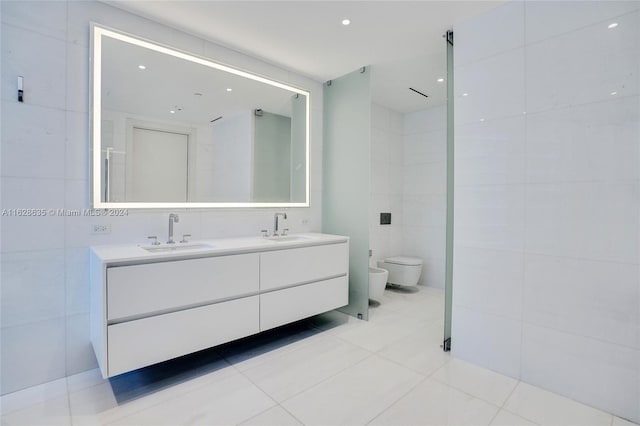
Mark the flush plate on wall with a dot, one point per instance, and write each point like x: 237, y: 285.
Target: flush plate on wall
x: 385, y: 218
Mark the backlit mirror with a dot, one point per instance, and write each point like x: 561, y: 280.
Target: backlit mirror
x: 171, y: 129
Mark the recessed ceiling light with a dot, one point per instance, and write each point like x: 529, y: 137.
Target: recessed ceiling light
x: 172, y: 112
x: 465, y: 94
x: 614, y: 93
x: 440, y: 80
x: 482, y: 119
x: 142, y: 67
x: 612, y: 25
x: 229, y: 89
x: 346, y: 22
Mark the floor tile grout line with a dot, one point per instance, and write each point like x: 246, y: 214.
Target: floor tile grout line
x: 475, y: 396
x: 326, y: 379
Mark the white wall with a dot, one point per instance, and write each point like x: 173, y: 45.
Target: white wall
x: 45, y: 157
x: 546, y: 265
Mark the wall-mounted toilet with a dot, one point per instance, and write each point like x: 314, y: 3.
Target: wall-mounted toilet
x: 403, y: 270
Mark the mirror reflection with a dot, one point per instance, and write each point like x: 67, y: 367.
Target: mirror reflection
x: 177, y: 129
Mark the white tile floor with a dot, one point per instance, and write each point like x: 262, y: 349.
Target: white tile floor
x: 328, y: 370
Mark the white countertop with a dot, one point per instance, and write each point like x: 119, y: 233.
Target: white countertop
x: 136, y: 253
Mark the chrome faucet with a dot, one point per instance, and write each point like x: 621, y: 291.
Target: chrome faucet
x: 276, y: 227
x: 173, y: 218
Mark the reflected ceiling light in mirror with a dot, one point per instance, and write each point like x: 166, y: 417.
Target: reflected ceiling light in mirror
x: 142, y: 67
x: 346, y: 22
x: 612, y: 25
x: 172, y: 112
x: 440, y: 80
x: 229, y: 89
x: 614, y: 93
x: 465, y: 94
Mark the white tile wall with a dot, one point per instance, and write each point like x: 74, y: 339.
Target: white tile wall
x: 552, y: 359
x: 33, y: 286
x: 424, y: 191
x: 386, y: 181
x: 596, y: 220
x: 548, y: 19
x: 490, y: 34
x: 596, y: 141
x: 585, y: 65
x: 45, y: 153
x: 490, y: 152
x: 547, y: 256
x: 481, y: 272
x: 489, y: 216
x: 491, y: 341
x: 25, y: 362
x: 591, y: 299
x: 494, y: 87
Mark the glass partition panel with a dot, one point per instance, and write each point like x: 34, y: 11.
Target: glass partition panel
x: 346, y: 165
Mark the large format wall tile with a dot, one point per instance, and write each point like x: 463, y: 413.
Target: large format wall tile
x: 427, y: 147
x: 48, y: 18
x: 489, y: 216
x: 80, y: 356
x: 583, y: 66
x: 588, y: 298
x: 490, y: 152
x: 597, y: 141
x: 586, y: 220
x: 33, y: 141
x: 548, y: 19
x: 487, y: 340
x: 491, y: 88
x: 24, y: 362
x: 482, y: 272
x: 37, y: 58
x: 591, y: 371
x: 32, y: 287
x: 23, y: 231
x: 495, y: 32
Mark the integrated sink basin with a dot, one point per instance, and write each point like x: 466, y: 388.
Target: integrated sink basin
x: 177, y: 247
x: 290, y: 238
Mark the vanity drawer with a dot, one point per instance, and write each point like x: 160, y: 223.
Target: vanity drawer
x: 143, y: 342
x: 136, y: 290
x: 283, y: 268
x: 292, y: 304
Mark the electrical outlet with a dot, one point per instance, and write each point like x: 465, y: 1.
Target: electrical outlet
x: 100, y: 229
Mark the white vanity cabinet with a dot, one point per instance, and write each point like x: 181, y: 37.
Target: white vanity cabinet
x: 298, y: 283
x: 148, y: 308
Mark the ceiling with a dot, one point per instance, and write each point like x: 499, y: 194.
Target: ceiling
x: 401, y: 40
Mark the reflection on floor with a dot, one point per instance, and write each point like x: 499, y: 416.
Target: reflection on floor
x: 328, y: 370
